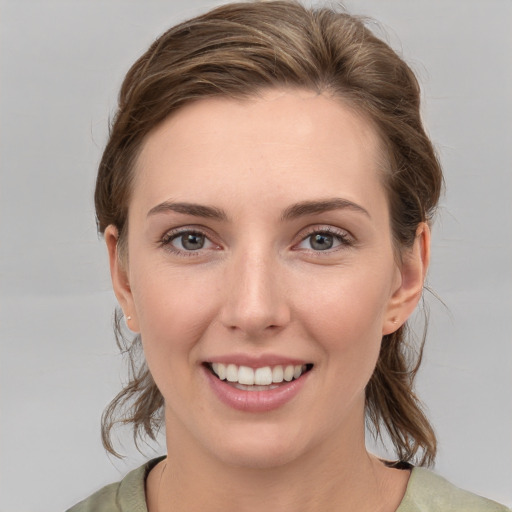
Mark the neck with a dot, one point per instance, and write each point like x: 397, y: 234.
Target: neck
x: 331, y: 476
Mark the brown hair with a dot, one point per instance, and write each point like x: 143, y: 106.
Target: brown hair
x: 237, y: 50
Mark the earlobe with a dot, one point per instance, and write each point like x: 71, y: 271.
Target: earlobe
x: 414, y: 265
x: 120, y: 280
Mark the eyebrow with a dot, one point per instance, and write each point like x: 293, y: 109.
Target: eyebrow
x: 196, y: 210
x: 292, y: 212
x: 312, y: 207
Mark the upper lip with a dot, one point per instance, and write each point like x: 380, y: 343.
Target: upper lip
x: 257, y: 361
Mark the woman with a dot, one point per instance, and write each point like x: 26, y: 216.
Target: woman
x: 265, y: 197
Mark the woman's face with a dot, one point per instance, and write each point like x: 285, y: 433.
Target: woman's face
x: 259, y: 251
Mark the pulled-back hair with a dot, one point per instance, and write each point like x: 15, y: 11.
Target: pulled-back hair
x: 239, y: 50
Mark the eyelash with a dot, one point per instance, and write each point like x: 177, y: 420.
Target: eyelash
x: 170, y: 236
x: 345, y: 240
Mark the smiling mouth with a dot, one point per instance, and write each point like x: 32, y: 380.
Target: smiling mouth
x: 257, y: 379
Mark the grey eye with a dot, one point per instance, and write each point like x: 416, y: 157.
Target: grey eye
x: 190, y: 241
x: 321, y: 241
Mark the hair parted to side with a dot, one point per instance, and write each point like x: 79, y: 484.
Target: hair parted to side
x: 238, y: 50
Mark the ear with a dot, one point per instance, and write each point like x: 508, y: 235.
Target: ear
x: 120, y: 280
x: 413, y: 270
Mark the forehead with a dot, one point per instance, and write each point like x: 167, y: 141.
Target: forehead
x: 282, y: 140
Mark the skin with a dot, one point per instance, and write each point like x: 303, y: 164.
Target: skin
x: 259, y: 286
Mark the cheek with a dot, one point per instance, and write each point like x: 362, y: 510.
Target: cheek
x: 173, y: 311
x: 348, y: 307
x: 173, y: 316
x: 345, y: 319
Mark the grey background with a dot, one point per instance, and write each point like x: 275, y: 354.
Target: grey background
x: 61, y: 65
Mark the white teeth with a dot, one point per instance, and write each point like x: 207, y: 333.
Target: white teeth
x: 220, y: 371
x: 246, y: 375
x: 277, y: 374
x: 264, y: 376
x: 288, y: 373
x: 232, y: 373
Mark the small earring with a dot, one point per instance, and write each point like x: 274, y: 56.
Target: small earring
x: 128, y: 318
x: 394, y: 321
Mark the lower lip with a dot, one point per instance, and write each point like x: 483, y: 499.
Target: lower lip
x: 255, y: 401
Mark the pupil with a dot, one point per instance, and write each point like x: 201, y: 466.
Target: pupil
x: 192, y: 241
x: 321, y: 242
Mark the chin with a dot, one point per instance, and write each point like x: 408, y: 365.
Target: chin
x: 264, y: 449
x: 258, y: 458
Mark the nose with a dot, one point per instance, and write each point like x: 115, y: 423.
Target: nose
x: 255, y: 301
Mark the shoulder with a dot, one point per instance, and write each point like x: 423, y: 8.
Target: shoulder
x: 103, y: 500
x: 428, y: 492
x: 128, y: 495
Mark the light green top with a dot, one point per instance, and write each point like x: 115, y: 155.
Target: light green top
x: 426, y: 492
